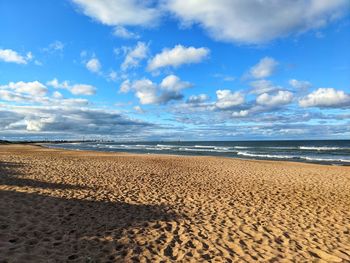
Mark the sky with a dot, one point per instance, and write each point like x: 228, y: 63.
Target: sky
x: 131, y: 70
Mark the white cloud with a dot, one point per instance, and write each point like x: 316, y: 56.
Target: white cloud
x: 326, y: 97
x: 38, y: 124
x: 77, y: 89
x: 56, y: 84
x: 178, y: 56
x: 265, y: 68
x: 9, y: 55
x: 263, y: 86
x: 282, y: 97
x: 240, y: 114
x: 226, y: 99
x: 239, y: 21
x: 173, y: 83
x: 93, y: 65
x: 35, y: 93
x: 146, y: 91
x: 8, y: 95
x: 120, y: 12
x: 134, y: 55
x: 122, y: 32
x: 83, y: 89
x: 300, y: 84
x: 256, y: 21
x: 149, y: 92
x: 125, y: 86
x: 34, y: 88
x: 72, y: 102
x: 67, y: 121
x: 196, y: 99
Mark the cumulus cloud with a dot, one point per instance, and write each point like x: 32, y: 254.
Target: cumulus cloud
x: 265, y: 68
x: 239, y: 21
x: 58, y: 85
x: 77, y: 89
x: 35, y: 93
x: 93, y: 65
x: 149, y: 92
x: 174, y: 84
x: 178, y: 56
x: 326, y: 97
x: 11, y: 56
x: 146, y: 91
x: 120, y: 12
x: 133, y: 56
x: 255, y: 21
x: 282, y: 97
x: 227, y: 99
x: 34, y: 88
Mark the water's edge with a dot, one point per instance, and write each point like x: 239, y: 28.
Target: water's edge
x: 320, y: 152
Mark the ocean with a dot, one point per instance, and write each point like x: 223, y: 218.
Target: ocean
x: 335, y: 152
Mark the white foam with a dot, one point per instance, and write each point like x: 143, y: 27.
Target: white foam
x: 167, y: 145
x: 187, y: 149
x: 325, y: 159
x: 205, y: 146
x: 266, y: 155
x: 294, y: 157
x: 313, y: 148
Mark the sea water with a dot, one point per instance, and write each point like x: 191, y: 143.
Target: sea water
x: 316, y: 151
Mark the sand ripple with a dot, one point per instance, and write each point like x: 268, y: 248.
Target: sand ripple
x: 61, y: 206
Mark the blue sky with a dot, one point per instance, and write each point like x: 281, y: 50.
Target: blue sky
x: 175, y: 69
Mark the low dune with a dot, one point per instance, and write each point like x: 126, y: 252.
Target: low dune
x: 75, y: 206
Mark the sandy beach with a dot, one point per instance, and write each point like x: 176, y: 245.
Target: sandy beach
x: 76, y: 206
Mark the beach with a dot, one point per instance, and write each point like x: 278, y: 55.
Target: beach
x: 84, y: 206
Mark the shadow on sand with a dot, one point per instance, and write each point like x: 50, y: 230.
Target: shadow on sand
x: 39, y: 228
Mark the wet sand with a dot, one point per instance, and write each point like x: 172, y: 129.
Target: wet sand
x: 75, y: 206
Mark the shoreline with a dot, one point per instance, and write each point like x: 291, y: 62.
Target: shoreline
x: 87, y: 206
x: 194, y: 155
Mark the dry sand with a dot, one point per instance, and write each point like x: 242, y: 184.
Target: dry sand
x: 70, y: 206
